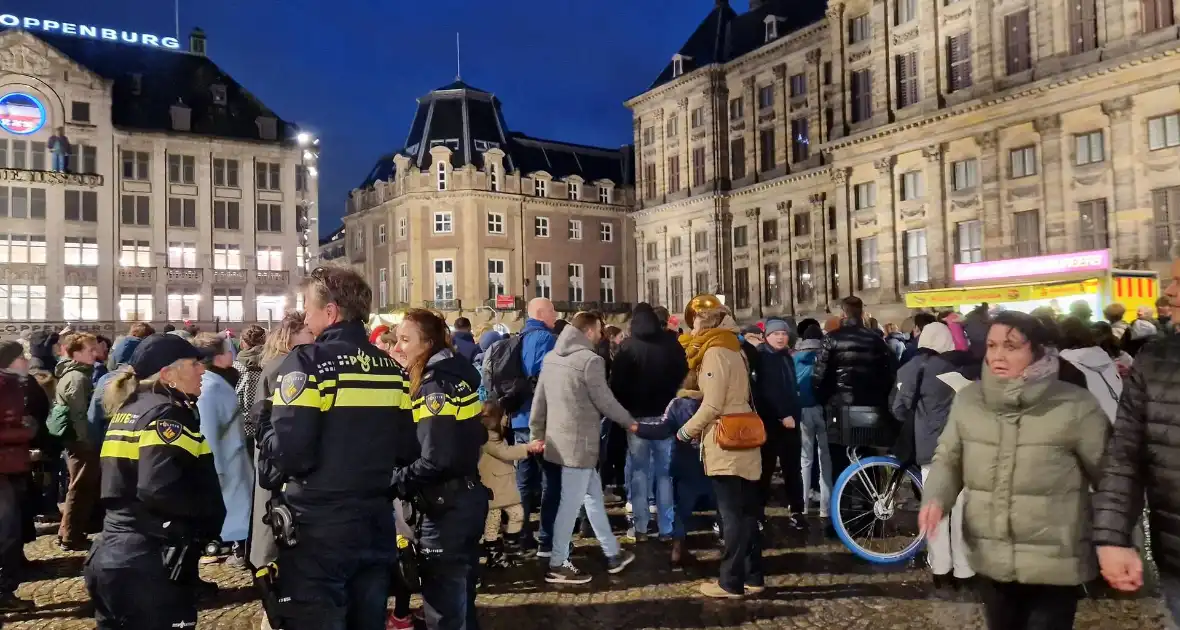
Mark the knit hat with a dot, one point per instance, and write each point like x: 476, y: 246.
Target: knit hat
x: 813, y: 332
x: 488, y: 338
x: 777, y: 325
x: 751, y: 330
x: 10, y: 351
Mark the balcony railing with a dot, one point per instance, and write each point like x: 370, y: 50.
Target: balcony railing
x: 137, y: 275
x: 271, y: 277
x: 229, y: 276
x: 443, y: 305
x: 185, y: 274
x: 601, y: 307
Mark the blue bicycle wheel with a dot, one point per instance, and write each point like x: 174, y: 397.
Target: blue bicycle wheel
x: 874, y: 523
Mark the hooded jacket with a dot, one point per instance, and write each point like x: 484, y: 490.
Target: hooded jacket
x: 804, y: 357
x: 538, y: 339
x: 1102, y: 376
x: 649, y: 367
x: 16, y: 426
x: 570, y: 401
x: 74, y: 389
x: 96, y: 417
x: 221, y: 424
x: 465, y: 345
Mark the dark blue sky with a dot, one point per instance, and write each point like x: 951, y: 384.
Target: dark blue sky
x: 350, y: 69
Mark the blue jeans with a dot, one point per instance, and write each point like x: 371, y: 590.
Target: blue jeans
x: 643, y: 455
x: 690, y: 494
x: 581, y: 487
x: 60, y: 162
x: 539, y: 483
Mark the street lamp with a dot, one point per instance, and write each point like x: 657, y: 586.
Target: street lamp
x: 303, y: 137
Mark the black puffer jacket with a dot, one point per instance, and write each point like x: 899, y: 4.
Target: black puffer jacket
x: 854, y: 367
x: 649, y: 368
x: 1142, y: 456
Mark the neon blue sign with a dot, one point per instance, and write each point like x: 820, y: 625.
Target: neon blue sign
x: 21, y: 113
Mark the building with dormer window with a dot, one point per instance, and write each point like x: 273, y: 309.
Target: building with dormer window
x: 181, y: 196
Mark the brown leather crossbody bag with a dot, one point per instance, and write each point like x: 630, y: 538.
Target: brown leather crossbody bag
x: 740, y: 431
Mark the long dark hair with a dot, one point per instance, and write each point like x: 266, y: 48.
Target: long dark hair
x: 434, y: 329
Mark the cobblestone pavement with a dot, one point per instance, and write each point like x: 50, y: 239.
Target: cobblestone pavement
x: 812, y: 583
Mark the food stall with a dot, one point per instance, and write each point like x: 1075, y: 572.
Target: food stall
x: 1056, y: 281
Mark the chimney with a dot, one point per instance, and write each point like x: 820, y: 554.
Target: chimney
x: 182, y: 117
x: 196, y: 42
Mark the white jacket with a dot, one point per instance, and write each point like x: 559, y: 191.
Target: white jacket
x: 1102, y: 376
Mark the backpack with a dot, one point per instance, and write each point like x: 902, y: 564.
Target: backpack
x: 504, y: 375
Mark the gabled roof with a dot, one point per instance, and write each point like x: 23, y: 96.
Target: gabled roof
x: 725, y: 35
x: 166, y: 78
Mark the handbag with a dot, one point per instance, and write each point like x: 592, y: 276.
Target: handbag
x: 740, y: 431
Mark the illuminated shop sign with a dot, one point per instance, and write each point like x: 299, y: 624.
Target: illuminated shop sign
x: 21, y: 114
x: 1097, y: 260
x: 88, y: 31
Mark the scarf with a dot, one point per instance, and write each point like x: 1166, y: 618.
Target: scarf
x: 696, y: 344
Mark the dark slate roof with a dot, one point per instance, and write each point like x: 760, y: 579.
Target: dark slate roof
x: 724, y: 35
x: 166, y: 78
x: 335, y: 236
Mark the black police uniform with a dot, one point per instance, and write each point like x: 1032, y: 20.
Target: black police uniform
x: 163, y: 503
x: 338, y: 419
x: 444, y: 483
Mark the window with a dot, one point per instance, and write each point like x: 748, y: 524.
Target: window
x: 766, y: 149
x: 28, y: 203
x: 403, y: 283
x: 831, y: 217
x: 226, y: 215
x: 740, y: 237
x: 301, y: 178
x: 301, y: 257
x: 737, y: 109
x: 182, y: 306
x: 133, y: 254
x: 698, y: 166
x: 676, y: 290
x: 917, y: 266
x: 576, y: 288
x: 83, y: 159
x: 135, y: 305
x: 494, y: 177
x: 965, y: 174
x: 606, y: 232
x: 702, y: 282
x: 80, y: 111
x: 38, y: 150
x: 862, y: 95
x: 1028, y: 233
x: 677, y: 66
x: 653, y: 251
x: 827, y: 73
x: 136, y: 165
x: 572, y: 190
x: 443, y: 222
x: 834, y: 276
x: 1083, y: 26
x: 1165, y: 203
x: 701, y: 241
x: 270, y: 258
x: 80, y: 205
x: 770, y: 230
x: 859, y: 29
x: 911, y: 186
x: 1022, y: 162
x: 770, y: 290
x: 22, y: 302
x: 182, y: 213
x: 182, y: 169
x: 675, y: 246
x: 134, y: 210
x: 182, y: 255
x: 22, y: 248
x: 870, y: 268
x: 606, y: 284
x: 969, y: 241
x: 269, y: 217
x: 1163, y: 132
x: 270, y: 308
x: 1018, y: 52
x: 649, y: 136
x: 800, y: 140
x: 798, y: 85
x: 225, y: 172
x: 441, y: 170
x: 269, y: 175
x: 653, y: 292
x: 1088, y: 148
x: 603, y: 194
x: 227, y: 257
x: 906, y: 71
x: 804, y: 282
x: 766, y: 97
x: 771, y: 32
x: 495, y: 223
x: 741, y: 288
x: 540, y: 187
x: 674, y: 174
x: 541, y: 227
x: 649, y: 181
x: 497, y: 278
x: 544, y: 273
x: 80, y: 303
x: 1157, y: 14
x: 81, y: 251
x: 801, y: 224
x: 401, y: 227
x: 227, y: 305
x: 737, y: 158
x: 673, y: 126
x: 380, y: 233
x: 698, y: 117
x: 20, y: 154
x: 958, y: 61
x: 1092, y: 225
x: 575, y: 230
x: 905, y: 10
x: 864, y: 195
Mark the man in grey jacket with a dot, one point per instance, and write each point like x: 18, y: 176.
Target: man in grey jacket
x: 570, y: 399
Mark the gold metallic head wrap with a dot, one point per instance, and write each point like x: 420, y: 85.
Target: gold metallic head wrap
x: 697, y: 304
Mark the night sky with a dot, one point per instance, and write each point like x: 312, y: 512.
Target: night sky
x: 562, y: 68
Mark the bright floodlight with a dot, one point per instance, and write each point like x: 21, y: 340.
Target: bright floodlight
x: 303, y: 138
x: 313, y: 171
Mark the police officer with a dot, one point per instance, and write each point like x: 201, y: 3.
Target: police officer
x: 444, y: 480
x: 327, y: 449
x: 159, y: 489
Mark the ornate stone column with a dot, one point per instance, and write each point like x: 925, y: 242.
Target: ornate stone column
x: 938, y: 233
x: 984, y: 59
x: 819, y: 249
x: 641, y: 267
x: 839, y: 101
x: 881, y: 68
x: 1125, y: 238
x: 989, y: 182
x: 888, y: 249
x: 782, y: 118
x: 843, y: 232
x: 1053, y: 195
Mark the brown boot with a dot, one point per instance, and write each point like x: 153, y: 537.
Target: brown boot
x: 677, y: 551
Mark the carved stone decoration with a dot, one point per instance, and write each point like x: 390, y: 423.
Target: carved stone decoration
x: 803, y: 247
x: 1024, y: 192
x: 948, y: 17
x: 686, y: 225
x: 966, y: 202
x: 1081, y: 180
x: 863, y: 219
x: 813, y: 56
x: 748, y: 83
x: 1118, y: 108
x: 684, y: 104
x: 1048, y: 124
x: 752, y: 213
x: 1161, y: 167
x: 782, y: 205
x: 21, y: 59
x: 884, y: 165
x: 858, y: 55
x: 914, y: 213
x: 932, y: 153
x: 839, y: 175
x: 987, y: 140
x: 905, y: 36
x: 770, y: 251
x: 835, y: 11
x: 780, y: 71
x: 817, y: 200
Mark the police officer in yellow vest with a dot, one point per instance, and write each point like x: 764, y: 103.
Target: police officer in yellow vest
x: 444, y: 480
x: 328, y: 447
x: 160, y: 490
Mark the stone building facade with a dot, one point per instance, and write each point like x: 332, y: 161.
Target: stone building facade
x: 184, y: 197
x: 469, y: 211
x: 807, y: 150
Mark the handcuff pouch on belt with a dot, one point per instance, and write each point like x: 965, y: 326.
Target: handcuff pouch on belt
x: 281, y: 519
x: 435, y: 499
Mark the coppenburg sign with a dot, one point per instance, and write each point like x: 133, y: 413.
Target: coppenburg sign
x: 86, y: 30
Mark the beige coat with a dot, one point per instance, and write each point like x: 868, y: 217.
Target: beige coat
x: 497, y: 470
x: 725, y: 386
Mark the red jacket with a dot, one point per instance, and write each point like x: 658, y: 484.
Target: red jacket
x: 14, y: 435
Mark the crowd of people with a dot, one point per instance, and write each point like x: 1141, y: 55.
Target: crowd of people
x: 1038, y: 437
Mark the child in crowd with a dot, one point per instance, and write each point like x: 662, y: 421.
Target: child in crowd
x: 497, y: 471
x: 813, y: 432
x: 691, y: 487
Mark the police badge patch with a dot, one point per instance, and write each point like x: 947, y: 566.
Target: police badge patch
x: 291, y: 385
x: 169, y: 430
x: 435, y: 402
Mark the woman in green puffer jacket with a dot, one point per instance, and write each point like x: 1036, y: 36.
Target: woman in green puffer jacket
x: 1024, y: 447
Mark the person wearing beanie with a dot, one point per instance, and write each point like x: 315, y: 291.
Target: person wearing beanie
x: 776, y: 399
x: 813, y: 433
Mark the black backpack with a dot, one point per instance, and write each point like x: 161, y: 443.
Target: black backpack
x: 507, y: 383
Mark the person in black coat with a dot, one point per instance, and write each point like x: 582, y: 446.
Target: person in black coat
x: 776, y: 398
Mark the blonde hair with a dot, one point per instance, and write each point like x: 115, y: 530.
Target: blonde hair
x: 124, y: 387
x: 278, y: 342
x: 212, y: 344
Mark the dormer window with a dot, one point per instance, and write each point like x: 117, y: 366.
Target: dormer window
x: 678, y: 65
x: 494, y: 177
x: 218, y: 92
x: 481, y: 145
x: 540, y: 187
x: 771, y: 23
x: 442, y: 175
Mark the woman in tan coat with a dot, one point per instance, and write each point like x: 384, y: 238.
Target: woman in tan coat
x: 714, y: 353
